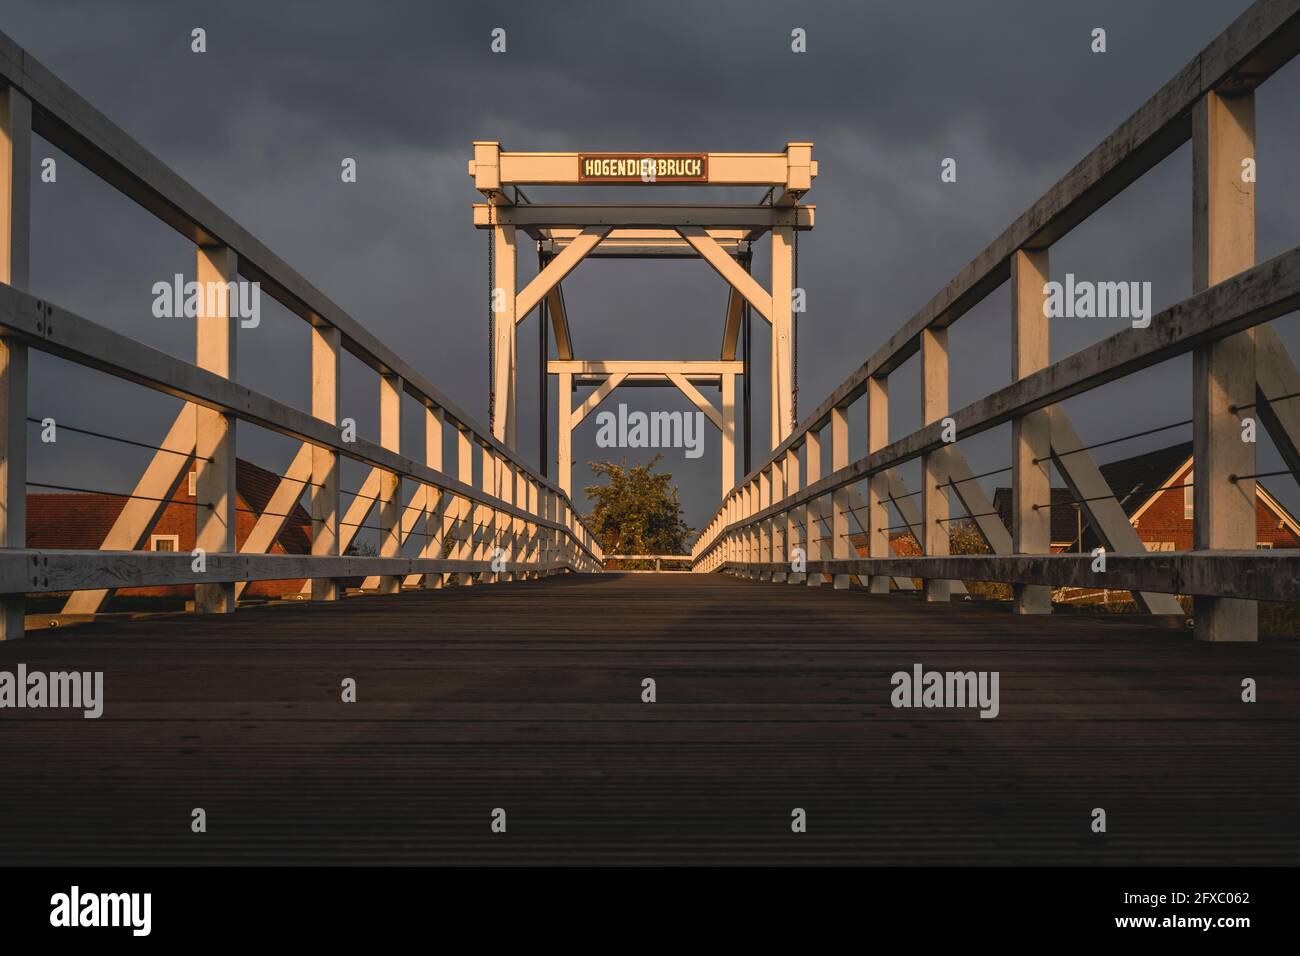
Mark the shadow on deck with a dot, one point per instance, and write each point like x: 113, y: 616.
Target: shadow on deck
x: 528, y: 697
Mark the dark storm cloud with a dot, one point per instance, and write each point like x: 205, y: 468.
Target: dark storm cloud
x: 261, y: 122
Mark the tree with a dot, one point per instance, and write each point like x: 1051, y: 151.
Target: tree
x: 637, y: 512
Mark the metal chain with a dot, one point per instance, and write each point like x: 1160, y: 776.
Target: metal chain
x: 491, y: 275
x: 794, y: 378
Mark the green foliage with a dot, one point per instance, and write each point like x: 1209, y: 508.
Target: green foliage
x: 637, y: 511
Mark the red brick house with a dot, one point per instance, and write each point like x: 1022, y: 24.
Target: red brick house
x: 1155, y: 491
x: 81, y: 521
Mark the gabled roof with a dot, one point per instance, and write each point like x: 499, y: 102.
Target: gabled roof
x: 1133, y: 480
x: 77, y: 521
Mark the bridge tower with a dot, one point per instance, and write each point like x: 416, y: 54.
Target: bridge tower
x: 723, y: 235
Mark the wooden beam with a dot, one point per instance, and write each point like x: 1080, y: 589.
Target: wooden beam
x: 1031, y: 435
x: 731, y: 324
x: 1239, y: 575
x: 214, y: 438
x: 729, y: 269
x: 390, y: 483
x: 559, y: 267
x: 1223, y: 371
x: 275, y: 515
x: 594, y: 399
x: 324, y: 494
x: 15, y: 239
x: 559, y: 322
x: 693, y: 393
x: 935, y: 511
x: 536, y: 216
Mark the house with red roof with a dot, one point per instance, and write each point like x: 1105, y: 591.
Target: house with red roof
x: 82, y: 521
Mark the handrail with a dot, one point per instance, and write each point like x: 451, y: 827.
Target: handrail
x: 70, y: 123
x: 768, y: 519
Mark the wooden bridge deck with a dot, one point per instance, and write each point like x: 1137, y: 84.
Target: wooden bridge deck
x: 527, y: 697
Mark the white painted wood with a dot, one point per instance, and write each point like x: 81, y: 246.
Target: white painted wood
x: 214, y: 439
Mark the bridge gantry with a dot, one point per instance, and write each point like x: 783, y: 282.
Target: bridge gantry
x: 566, y: 234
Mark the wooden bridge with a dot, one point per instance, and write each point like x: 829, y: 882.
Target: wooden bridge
x: 496, y: 668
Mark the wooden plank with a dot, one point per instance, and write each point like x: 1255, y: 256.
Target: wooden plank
x: 769, y: 698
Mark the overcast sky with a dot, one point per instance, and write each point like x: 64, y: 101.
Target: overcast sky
x: 260, y: 122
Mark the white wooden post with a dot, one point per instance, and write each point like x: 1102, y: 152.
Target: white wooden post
x: 324, y: 495
x: 215, y: 431
x: 1223, y: 372
x: 934, y: 471
x: 1031, y: 435
x: 15, y: 232
x: 841, y: 547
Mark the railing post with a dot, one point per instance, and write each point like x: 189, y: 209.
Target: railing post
x: 765, y: 526
x: 728, y: 432
x: 1223, y: 372
x: 934, y: 469
x: 390, y: 483
x: 15, y: 233
x: 1031, y: 435
x: 489, y: 484
x: 324, y: 497
x: 215, y: 431
x: 564, y: 433
x: 795, y: 517
x: 841, y: 546
x: 878, y: 484
x: 465, y: 507
x: 504, y: 333
x: 780, y: 542
x: 813, y: 512
x: 509, y: 540
x: 436, y: 521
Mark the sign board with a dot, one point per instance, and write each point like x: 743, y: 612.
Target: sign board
x: 643, y: 168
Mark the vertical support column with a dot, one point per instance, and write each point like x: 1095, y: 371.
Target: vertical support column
x: 1223, y: 372
x: 878, y: 484
x: 1031, y: 435
x: 487, y: 514
x: 795, y: 517
x: 780, y: 544
x: 841, y: 547
x: 325, y: 342
x: 15, y: 233
x: 390, y: 483
x: 536, y: 542
x: 782, y: 317
x: 564, y: 433
x: 728, y: 432
x: 813, y: 513
x: 435, y: 511
x: 934, y: 465
x: 506, y: 491
x: 465, y: 508
x: 503, y: 324
x: 765, y: 526
x: 214, y: 514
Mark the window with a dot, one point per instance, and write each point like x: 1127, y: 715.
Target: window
x: 1187, y: 499
x: 1160, y: 545
x: 1266, y: 545
x: 164, y: 542
x: 194, y: 484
